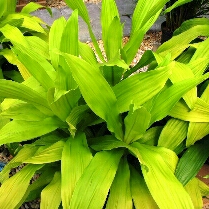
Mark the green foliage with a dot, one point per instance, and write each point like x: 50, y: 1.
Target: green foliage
x: 96, y: 132
x: 14, y: 26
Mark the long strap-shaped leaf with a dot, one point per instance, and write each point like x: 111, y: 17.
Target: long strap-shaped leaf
x: 51, y: 194
x: 50, y: 154
x: 140, y: 193
x: 191, y: 162
x: 180, y: 42
x: 17, y: 131
x: 93, y: 186
x: 144, y: 16
x: 110, y: 21
x: 197, y: 131
x: 13, y: 189
x: 176, y: 131
x: 200, y: 112
x: 194, y: 191
x: 120, y: 192
x: 3, y: 7
x: 160, y: 178
x: 96, y: 92
x: 75, y: 158
x: 141, y: 87
x: 25, y: 153
x: 167, y: 99
x: 82, y: 11
x: 14, y: 90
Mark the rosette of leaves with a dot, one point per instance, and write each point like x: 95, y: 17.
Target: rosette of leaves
x: 95, y: 140
x: 28, y: 25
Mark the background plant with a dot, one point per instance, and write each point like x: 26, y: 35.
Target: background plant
x: 93, y: 127
x: 178, y: 12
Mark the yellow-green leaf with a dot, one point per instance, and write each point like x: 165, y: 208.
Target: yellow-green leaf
x: 140, y: 193
x: 14, y: 188
x: 50, y: 154
x: 51, y: 194
x: 75, y: 158
x: 120, y: 192
x: 92, y: 189
x: 159, y: 176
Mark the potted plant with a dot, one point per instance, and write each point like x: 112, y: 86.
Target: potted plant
x: 180, y: 13
x: 95, y: 140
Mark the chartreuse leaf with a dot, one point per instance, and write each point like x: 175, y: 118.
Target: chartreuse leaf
x: 200, y: 112
x: 158, y: 172
x: 140, y: 193
x: 113, y: 73
x: 14, y: 90
x: 75, y: 158
x: 25, y: 153
x: 168, y: 97
x: 120, y: 192
x: 191, y: 161
x: 19, y: 130
x: 50, y: 154
x: 80, y: 6
x: 199, y: 65
x: 39, y: 45
x: 204, y: 189
x: 202, y: 51
x: 31, y: 23
x: 107, y: 142
x: 136, y: 123
x: 114, y: 43
x: 173, y: 133
x: 19, y: 182
x: 176, y: 4
x: 144, y: 11
x: 14, y: 35
x: 55, y: 36
x: 23, y: 111
x: 196, y: 131
x: 51, y: 194
x: 191, y: 23
x: 110, y: 21
x: 33, y: 61
x: 144, y: 16
x: 44, y: 179
x: 75, y: 116
x: 177, y: 44
x: 96, y: 181
x: 12, y: 58
x: 141, y: 87
x: 100, y: 96
x: 69, y: 44
x: 151, y: 136
x: 31, y: 7
x: 3, y: 7
x: 83, y: 12
x: 87, y: 53
x: 205, y: 94
x: 69, y: 41
x: 11, y: 5
x: 182, y: 72
x: 193, y: 190
x: 63, y: 105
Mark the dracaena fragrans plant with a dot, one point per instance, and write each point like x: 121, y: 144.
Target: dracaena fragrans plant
x: 95, y: 140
